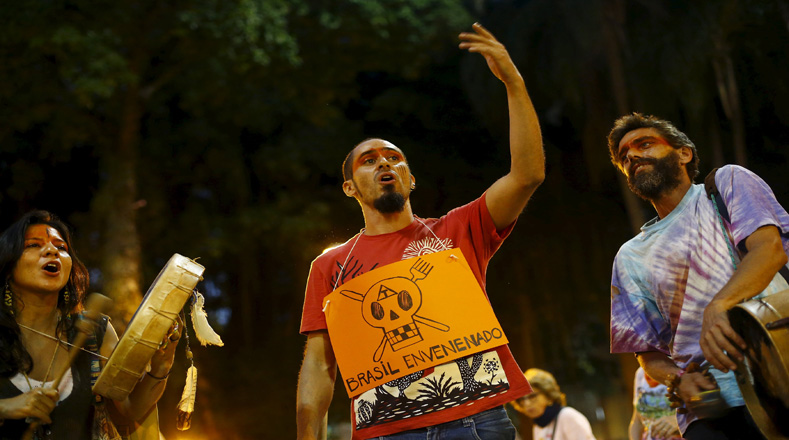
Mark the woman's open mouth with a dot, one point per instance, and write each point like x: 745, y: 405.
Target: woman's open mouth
x: 52, y: 267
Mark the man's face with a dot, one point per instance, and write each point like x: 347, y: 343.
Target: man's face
x: 651, y: 165
x: 45, y: 264
x: 381, y: 176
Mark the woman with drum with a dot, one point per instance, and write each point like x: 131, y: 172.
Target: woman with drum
x: 44, y: 286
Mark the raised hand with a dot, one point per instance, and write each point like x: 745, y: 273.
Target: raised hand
x: 483, y: 42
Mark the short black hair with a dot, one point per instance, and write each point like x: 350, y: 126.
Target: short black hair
x: 667, y: 130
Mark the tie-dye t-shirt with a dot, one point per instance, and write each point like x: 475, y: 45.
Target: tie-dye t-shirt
x: 665, y: 276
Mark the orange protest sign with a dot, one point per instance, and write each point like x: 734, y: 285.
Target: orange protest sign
x: 407, y: 316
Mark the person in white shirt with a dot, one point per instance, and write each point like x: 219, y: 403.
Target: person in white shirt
x: 546, y: 406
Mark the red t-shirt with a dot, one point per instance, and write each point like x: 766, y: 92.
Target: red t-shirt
x: 439, y: 394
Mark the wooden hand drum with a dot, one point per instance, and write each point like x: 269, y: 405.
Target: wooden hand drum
x: 148, y: 327
x: 763, y: 376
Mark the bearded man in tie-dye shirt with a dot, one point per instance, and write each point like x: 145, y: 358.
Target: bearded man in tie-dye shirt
x: 674, y: 282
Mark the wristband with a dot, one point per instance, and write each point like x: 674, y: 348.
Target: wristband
x: 156, y: 377
x: 673, y: 386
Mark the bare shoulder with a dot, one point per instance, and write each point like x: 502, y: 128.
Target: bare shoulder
x: 109, y: 342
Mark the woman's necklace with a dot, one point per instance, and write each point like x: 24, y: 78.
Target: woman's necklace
x: 51, y: 362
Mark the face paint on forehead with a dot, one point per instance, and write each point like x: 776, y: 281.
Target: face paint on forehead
x: 639, y: 136
x: 44, y: 233
x: 640, y: 140
x: 638, y: 143
x: 374, y: 153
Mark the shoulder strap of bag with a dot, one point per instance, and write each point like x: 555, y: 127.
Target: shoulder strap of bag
x: 713, y: 194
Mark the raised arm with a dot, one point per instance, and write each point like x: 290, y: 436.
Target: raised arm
x: 316, y: 387
x: 507, y: 197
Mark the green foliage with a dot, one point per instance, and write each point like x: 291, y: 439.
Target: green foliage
x: 89, y: 62
x: 249, y: 31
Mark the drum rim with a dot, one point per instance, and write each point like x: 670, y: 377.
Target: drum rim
x: 114, y: 375
x: 778, y: 338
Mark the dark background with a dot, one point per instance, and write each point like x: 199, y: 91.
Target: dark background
x: 216, y: 129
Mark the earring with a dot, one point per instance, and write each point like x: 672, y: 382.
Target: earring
x: 65, y: 296
x: 8, y: 299
x: 413, y: 186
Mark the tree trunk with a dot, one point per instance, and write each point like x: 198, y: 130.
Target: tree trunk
x: 614, y: 14
x: 117, y: 205
x: 729, y: 93
x: 784, y: 13
x: 718, y: 159
x: 249, y: 307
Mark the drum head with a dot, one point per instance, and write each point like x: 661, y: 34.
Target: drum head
x: 763, y: 377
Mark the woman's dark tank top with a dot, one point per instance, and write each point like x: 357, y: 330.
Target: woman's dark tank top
x: 72, y: 418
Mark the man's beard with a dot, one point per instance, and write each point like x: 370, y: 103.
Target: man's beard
x: 390, y: 202
x: 664, y: 176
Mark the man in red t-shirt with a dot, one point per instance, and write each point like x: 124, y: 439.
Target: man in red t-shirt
x: 449, y: 398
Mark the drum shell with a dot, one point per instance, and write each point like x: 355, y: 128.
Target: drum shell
x: 763, y: 376
x: 148, y: 327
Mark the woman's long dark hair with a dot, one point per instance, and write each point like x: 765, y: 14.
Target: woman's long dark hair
x: 13, y: 356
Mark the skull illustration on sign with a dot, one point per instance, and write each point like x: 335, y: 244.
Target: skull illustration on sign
x: 391, y: 305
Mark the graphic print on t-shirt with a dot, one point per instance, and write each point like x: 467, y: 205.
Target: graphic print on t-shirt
x: 391, y: 305
x: 355, y: 268
x: 426, y: 246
